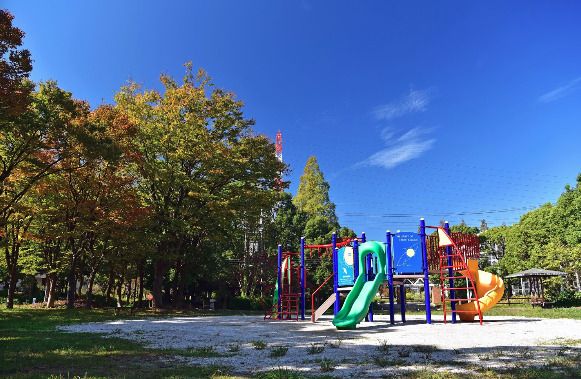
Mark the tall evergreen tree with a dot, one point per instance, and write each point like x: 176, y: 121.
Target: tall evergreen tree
x: 312, y: 196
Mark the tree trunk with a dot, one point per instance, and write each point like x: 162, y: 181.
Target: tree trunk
x: 90, y: 288
x: 119, y: 292
x: 110, y: 284
x: 81, y: 284
x: 135, y: 293
x: 72, y: 283
x: 179, y: 285
x: 46, y: 282
x: 51, y: 291
x: 11, y: 251
x: 157, y: 290
x: 128, y: 294
x: 11, y: 288
x: 140, y: 296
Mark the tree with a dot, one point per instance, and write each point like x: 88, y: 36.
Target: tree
x: 78, y: 208
x: 463, y: 228
x: 42, y: 141
x: 15, y: 67
x: 15, y: 230
x: 483, y: 225
x: 312, y: 196
x: 200, y: 167
x: 289, y: 224
x: 547, y: 237
x: 493, y: 245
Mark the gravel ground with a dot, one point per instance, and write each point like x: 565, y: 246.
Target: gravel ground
x: 373, y: 349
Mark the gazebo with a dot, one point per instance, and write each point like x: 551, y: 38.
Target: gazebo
x: 535, y: 277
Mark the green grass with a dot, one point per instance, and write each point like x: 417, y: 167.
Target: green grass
x: 563, y: 342
x: 326, y: 365
x: 526, y: 310
x: 517, y: 310
x: 194, y: 352
x: 278, y: 351
x: 383, y: 346
x: 259, y: 345
x: 315, y: 349
x: 31, y: 347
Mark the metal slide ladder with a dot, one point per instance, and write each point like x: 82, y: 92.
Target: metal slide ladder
x: 453, y: 267
x: 289, y: 303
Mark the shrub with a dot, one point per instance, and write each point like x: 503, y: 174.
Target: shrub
x: 568, y: 299
x: 245, y: 303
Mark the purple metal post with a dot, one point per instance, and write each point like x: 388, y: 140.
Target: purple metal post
x: 355, y: 259
x: 303, y: 278
x: 402, y: 301
x: 389, y: 275
x: 426, y: 270
x: 279, y: 282
x: 450, y: 275
x: 337, y: 304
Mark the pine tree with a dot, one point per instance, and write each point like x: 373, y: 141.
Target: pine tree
x: 312, y: 196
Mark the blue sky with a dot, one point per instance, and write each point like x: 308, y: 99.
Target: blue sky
x: 452, y: 110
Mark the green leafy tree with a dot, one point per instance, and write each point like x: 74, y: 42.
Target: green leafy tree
x: 50, y: 137
x: 547, y: 237
x: 462, y: 227
x: 200, y: 168
x: 493, y: 245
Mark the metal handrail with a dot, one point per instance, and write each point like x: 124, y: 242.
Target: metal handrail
x: 313, y: 297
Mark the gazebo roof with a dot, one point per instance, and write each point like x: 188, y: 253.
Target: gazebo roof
x: 536, y: 272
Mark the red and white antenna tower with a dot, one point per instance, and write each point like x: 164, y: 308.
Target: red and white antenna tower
x: 279, y: 146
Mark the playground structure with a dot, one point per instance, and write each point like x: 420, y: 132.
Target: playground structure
x: 361, y: 267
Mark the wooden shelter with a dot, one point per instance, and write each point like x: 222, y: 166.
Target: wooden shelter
x: 535, y: 277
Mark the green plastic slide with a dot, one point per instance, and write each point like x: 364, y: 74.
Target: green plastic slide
x: 357, y: 302
x: 285, y: 270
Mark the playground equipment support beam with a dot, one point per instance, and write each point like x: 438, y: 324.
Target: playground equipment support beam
x: 369, y: 268
x: 279, y: 282
x: 389, y: 275
x: 337, y: 304
x: 450, y: 275
x: 355, y: 259
x: 426, y: 271
x: 302, y: 273
x: 402, y: 301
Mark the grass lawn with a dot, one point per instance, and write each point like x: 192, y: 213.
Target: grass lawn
x: 516, y: 310
x: 526, y: 310
x: 31, y: 347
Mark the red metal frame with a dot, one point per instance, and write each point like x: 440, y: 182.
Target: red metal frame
x: 468, y: 244
x: 459, y: 263
x: 313, y: 297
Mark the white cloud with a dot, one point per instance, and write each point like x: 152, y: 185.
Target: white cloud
x: 409, y: 145
x: 414, y: 101
x: 561, y: 92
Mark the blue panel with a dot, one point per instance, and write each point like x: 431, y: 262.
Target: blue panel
x: 407, y: 253
x: 345, y: 266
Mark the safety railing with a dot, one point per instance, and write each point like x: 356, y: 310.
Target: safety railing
x: 313, y: 297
